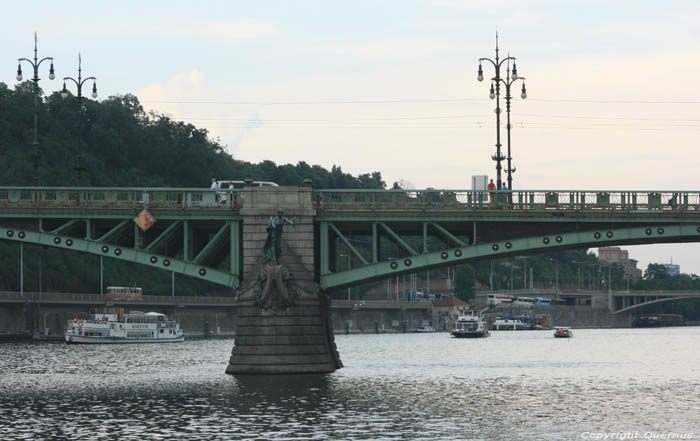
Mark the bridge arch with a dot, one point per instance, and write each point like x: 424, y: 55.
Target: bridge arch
x: 651, y: 302
x: 162, y: 262
x: 635, y: 235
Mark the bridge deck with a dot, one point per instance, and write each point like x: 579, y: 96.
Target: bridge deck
x: 61, y: 199
x: 199, y: 232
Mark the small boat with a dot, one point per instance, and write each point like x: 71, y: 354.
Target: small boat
x: 563, y: 332
x: 424, y: 328
x: 470, y: 325
x: 113, y: 326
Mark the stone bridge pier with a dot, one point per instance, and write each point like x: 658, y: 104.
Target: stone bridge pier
x: 283, y: 323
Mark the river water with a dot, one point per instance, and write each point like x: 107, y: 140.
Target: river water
x: 526, y: 385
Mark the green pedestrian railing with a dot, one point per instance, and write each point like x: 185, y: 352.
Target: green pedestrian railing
x: 578, y: 200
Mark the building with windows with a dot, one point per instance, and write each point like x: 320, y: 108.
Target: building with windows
x: 615, y: 255
x: 672, y: 268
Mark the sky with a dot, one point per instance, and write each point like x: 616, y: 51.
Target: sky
x: 391, y: 86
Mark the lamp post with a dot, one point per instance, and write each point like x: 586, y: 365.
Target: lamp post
x: 578, y: 279
x: 64, y: 94
x: 495, y: 92
x: 610, y: 299
x: 36, y: 154
x: 510, y: 79
x: 556, y: 277
x: 524, y: 260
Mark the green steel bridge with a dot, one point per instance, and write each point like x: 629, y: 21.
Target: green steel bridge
x: 339, y: 238
x: 358, y: 235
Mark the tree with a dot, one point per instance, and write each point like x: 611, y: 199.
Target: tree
x: 656, y: 271
x: 122, y: 146
x: 464, y: 282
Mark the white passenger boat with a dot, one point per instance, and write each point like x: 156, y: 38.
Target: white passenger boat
x: 470, y: 325
x: 112, y: 325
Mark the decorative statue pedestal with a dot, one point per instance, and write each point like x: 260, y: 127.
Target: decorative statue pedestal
x: 282, y: 329
x: 283, y: 325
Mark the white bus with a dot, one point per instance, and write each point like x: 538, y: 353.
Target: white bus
x: 525, y: 302
x: 497, y: 299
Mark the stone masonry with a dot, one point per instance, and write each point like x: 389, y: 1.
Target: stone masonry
x: 299, y: 338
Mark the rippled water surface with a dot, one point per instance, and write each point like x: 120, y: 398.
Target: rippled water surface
x: 513, y: 386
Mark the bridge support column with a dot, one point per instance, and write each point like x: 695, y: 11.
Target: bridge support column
x: 283, y: 324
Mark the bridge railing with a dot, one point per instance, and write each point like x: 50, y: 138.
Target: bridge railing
x: 119, y: 198
x: 60, y: 297
x: 593, y: 200
x: 202, y: 198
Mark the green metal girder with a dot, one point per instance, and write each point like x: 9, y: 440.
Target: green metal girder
x: 161, y: 241
x: 138, y: 237
x: 114, y: 232
x: 449, y: 236
x: 397, y: 239
x: 644, y: 217
x: 68, y: 226
x: 236, y: 247
x: 348, y: 244
x: 375, y: 244
x: 187, y: 241
x: 498, y: 249
x: 128, y: 254
x: 325, y: 248
x: 219, y: 239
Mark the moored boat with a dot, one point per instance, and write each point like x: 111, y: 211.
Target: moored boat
x: 563, y: 332
x: 112, y: 325
x: 658, y: 320
x: 513, y: 323
x: 470, y: 325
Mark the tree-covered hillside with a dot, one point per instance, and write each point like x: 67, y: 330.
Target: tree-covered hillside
x: 120, y: 145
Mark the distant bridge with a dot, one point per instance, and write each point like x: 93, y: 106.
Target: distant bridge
x: 622, y: 301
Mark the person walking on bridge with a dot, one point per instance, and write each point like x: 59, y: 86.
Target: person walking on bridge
x: 215, y: 187
x: 491, y: 187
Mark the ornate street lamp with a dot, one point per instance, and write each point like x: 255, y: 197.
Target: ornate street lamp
x: 510, y: 79
x: 64, y: 94
x: 36, y: 154
x: 495, y: 93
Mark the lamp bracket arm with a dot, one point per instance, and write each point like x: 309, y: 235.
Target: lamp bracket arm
x: 506, y: 59
x: 88, y: 78
x: 72, y: 79
x: 43, y: 59
x: 490, y: 61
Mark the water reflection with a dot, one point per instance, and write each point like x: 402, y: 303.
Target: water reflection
x: 511, y: 386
